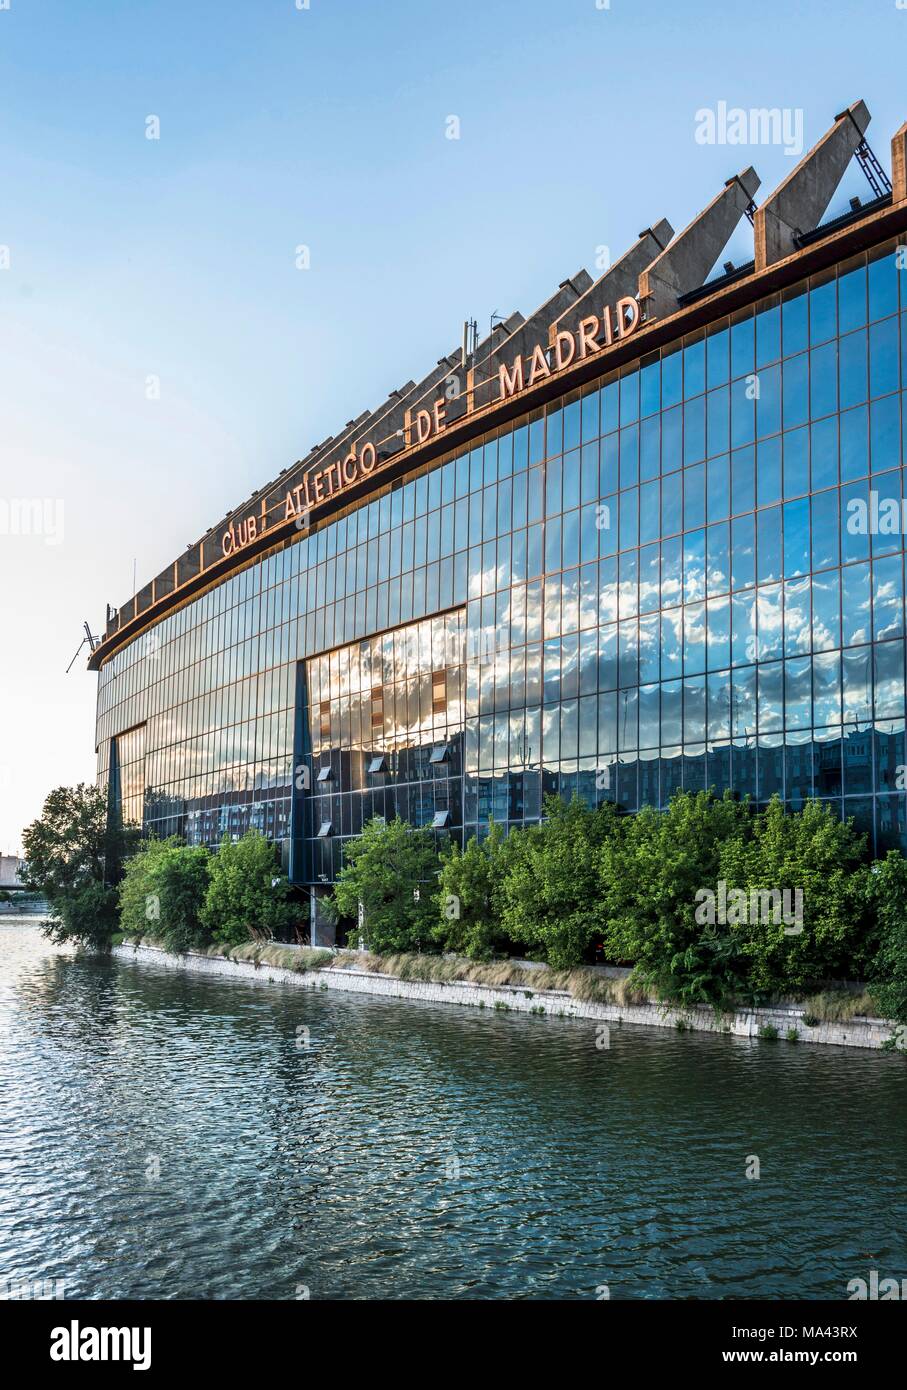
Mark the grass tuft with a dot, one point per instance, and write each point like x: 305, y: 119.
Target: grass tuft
x: 838, y: 1006
x: 308, y: 959
x: 581, y: 982
x: 248, y: 950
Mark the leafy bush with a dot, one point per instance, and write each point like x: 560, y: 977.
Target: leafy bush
x: 391, y: 870
x: 664, y: 870
x: 86, y: 915
x: 138, y: 912
x: 550, y: 892
x: 813, y: 851
x: 887, y: 891
x: 248, y: 898
x: 469, y: 897
x: 163, y: 892
x: 183, y: 877
x: 650, y: 873
x: 74, y: 853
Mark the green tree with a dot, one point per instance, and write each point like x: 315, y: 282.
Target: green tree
x: 813, y: 853
x: 74, y: 852
x: 183, y: 876
x: 248, y: 898
x: 139, y: 900
x: 714, y: 903
x: 650, y: 873
x: 391, y: 869
x: 163, y: 892
x: 469, y: 896
x: 551, y: 891
x: 887, y: 893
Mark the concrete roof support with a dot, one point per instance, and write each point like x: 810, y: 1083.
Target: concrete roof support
x: 687, y: 260
x: 899, y: 165
x: 620, y: 280
x: 798, y: 204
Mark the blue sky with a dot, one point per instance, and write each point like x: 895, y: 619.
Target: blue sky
x: 175, y: 258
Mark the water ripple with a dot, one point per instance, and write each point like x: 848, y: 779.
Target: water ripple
x: 165, y: 1136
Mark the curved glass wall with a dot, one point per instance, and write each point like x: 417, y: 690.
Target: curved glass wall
x: 690, y: 574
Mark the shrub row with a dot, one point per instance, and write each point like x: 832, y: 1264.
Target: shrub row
x: 710, y: 901
x: 188, y: 899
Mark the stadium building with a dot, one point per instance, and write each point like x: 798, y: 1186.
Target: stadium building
x: 649, y: 537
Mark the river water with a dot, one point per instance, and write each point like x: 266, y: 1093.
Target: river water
x: 166, y: 1135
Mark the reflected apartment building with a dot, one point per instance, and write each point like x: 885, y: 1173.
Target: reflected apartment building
x: 649, y: 537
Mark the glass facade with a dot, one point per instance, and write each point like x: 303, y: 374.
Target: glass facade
x: 689, y: 574
x: 127, y: 775
x: 384, y: 720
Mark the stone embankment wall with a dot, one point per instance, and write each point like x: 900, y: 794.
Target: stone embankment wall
x: 856, y: 1032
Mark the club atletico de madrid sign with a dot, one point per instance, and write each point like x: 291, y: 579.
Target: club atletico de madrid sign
x: 318, y: 486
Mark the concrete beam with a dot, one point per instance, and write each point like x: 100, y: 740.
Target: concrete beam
x: 685, y: 264
x: 523, y: 338
x: 447, y: 381
x: 899, y: 165
x: 619, y: 281
x: 382, y: 427
x: 799, y: 203
x: 454, y: 373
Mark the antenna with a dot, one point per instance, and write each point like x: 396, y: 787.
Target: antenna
x: 92, y: 641
x: 470, y: 340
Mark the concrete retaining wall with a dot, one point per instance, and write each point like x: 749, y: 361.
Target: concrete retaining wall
x: 857, y: 1032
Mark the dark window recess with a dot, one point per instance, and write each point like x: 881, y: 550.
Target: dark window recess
x: 325, y: 829
x: 439, y: 692
x: 377, y: 707
x: 440, y: 753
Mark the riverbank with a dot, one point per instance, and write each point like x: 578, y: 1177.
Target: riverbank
x: 615, y: 1004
